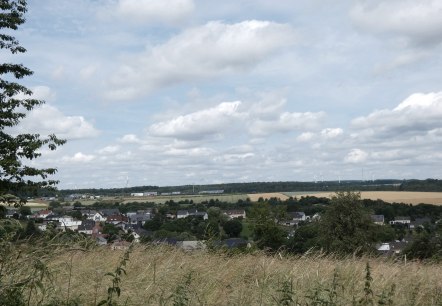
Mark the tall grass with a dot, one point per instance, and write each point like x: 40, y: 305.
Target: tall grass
x: 164, y: 275
x: 161, y: 275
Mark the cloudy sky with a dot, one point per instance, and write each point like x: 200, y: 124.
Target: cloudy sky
x: 172, y: 92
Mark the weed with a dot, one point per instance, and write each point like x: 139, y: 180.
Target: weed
x: 116, y: 279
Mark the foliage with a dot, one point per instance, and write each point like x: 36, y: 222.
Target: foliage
x: 266, y: 232
x: 346, y: 226
x: 15, y: 101
x: 233, y: 228
x: 116, y: 279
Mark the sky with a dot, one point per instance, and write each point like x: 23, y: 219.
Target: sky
x: 174, y: 92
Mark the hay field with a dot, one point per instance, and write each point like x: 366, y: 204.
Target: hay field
x: 255, y: 196
x: 159, y: 275
x: 408, y: 197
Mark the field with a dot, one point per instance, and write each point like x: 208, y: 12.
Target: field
x: 229, y: 198
x: 255, y: 196
x: 159, y: 275
x: 387, y: 196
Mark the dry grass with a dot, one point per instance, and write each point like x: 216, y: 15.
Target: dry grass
x: 387, y: 196
x: 158, y: 275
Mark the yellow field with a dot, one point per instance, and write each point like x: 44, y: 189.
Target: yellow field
x: 255, y: 196
x: 407, y: 197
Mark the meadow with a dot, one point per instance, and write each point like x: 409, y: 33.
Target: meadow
x: 163, y: 275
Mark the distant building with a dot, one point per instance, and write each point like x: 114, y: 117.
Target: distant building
x: 377, y: 219
x: 235, y: 213
x: 212, y: 191
x: 401, y: 220
x: 137, y: 194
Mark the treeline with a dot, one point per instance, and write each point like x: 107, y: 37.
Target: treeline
x: 434, y: 185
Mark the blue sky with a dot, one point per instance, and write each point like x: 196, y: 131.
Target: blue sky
x: 176, y: 92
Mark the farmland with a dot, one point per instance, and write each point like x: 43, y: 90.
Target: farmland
x: 407, y: 197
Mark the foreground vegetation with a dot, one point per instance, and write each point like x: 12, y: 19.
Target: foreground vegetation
x: 161, y: 275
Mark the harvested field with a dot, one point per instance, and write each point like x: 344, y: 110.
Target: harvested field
x: 387, y: 196
x: 255, y: 196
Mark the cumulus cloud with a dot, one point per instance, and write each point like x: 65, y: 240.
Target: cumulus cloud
x: 329, y: 133
x: 79, y: 158
x: 130, y: 138
x: 420, y: 22
x: 233, y: 48
x: 149, y: 11
x: 199, y: 124
x: 109, y: 149
x: 306, y: 136
x: 286, y: 122
x: 47, y: 119
x: 419, y: 114
x: 356, y: 156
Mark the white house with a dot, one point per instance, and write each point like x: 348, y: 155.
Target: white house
x: 98, y: 217
x: 235, y: 213
x: 401, y: 220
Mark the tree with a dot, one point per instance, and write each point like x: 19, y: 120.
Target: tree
x: 346, y: 226
x: 233, y: 228
x: 15, y: 101
x: 266, y: 232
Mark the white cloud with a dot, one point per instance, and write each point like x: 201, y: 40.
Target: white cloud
x: 417, y: 115
x: 109, y: 150
x: 306, y: 136
x: 130, y: 138
x: 150, y: 11
x: 356, y: 156
x: 79, y: 158
x: 420, y: 22
x: 329, y: 133
x: 199, y: 124
x: 287, y: 122
x: 233, y: 48
x: 47, y: 119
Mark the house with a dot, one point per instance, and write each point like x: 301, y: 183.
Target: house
x: 140, y: 233
x: 117, y: 219
x: 43, y: 214
x: 138, y: 218
x: 182, y: 214
x: 67, y: 222
x: 88, y: 213
x: 377, y: 219
x: 392, y: 247
x: 192, y: 212
x: 202, y: 214
x: 98, y: 217
x: 297, y: 215
x: 401, y: 220
x: 109, y: 212
x: 235, y: 213
x: 420, y: 222
x: 289, y: 222
x: 86, y: 227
